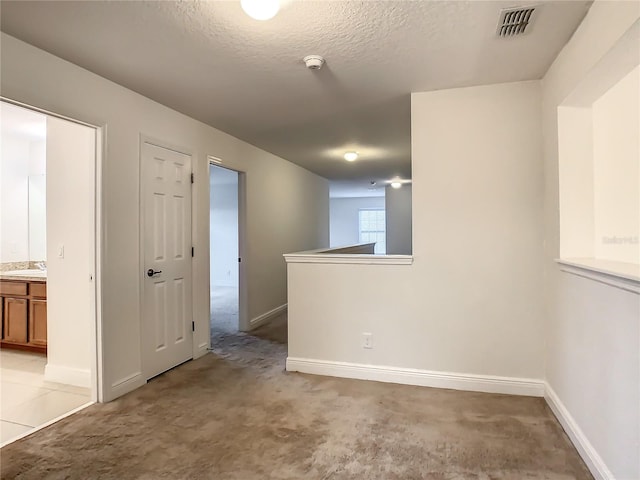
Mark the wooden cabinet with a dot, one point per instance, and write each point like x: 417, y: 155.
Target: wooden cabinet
x: 15, y: 320
x: 24, y: 315
x: 38, y: 322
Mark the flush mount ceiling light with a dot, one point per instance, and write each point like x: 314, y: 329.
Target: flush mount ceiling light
x: 398, y: 182
x: 351, y: 156
x: 260, y: 9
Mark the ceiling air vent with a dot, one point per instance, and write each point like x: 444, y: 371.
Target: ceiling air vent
x: 514, y: 21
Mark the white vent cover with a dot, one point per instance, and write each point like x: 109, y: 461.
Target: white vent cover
x: 514, y: 21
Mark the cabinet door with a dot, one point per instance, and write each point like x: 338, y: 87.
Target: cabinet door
x: 15, y: 320
x: 38, y: 322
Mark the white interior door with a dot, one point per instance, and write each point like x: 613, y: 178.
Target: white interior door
x: 167, y: 336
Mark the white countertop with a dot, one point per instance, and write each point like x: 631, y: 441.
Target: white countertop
x: 33, y: 275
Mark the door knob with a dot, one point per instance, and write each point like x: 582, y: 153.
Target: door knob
x: 151, y: 272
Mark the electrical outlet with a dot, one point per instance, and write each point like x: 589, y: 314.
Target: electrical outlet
x: 367, y: 340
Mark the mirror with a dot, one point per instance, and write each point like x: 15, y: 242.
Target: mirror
x: 37, y: 218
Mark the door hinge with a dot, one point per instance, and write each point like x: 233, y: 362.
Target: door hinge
x: 193, y: 251
x: 239, y: 260
x: 193, y: 177
x: 193, y: 326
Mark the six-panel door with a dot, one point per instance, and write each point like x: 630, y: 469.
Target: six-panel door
x: 166, y: 274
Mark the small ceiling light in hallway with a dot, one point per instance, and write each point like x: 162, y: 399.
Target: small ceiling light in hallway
x: 351, y: 156
x: 261, y: 9
x: 396, y: 184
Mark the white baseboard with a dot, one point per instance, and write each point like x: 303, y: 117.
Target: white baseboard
x: 68, y: 375
x: 265, y: 317
x: 124, y: 385
x: 594, y: 462
x: 423, y: 378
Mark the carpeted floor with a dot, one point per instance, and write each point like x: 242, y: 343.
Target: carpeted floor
x: 224, y: 310
x: 236, y: 415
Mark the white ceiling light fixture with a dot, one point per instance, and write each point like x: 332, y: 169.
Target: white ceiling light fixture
x: 260, y: 9
x: 351, y: 156
x: 396, y: 184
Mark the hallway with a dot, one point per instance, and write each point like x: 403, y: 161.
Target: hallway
x: 235, y: 414
x: 224, y: 310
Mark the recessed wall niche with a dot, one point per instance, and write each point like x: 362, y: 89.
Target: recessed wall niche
x: 599, y: 162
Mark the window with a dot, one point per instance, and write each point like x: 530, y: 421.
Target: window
x: 372, y: 228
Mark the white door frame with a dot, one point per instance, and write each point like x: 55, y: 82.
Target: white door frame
x: 185, y: 151
x: 95, y: 328
x: 243, y: 312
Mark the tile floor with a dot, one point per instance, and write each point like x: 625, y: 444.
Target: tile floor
x: 27, y: 400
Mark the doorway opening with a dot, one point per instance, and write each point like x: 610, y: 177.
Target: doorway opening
x: 48, y: 268
x: 224, y: 250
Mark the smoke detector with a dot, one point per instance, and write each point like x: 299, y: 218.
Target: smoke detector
x: 313, y: 62
x: 514, y: 21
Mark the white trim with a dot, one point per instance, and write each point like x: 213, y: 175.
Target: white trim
x: 78, y: 377
x: 594, y: 462
x: 48, y: 112
x: 45, y: 425
x: 201, y: 350
x: 349, y: 259
x: 265, y: 317
x: 602, y: 272
x: 423, y: 378
x: 125, y: 385
x: 96, y: 339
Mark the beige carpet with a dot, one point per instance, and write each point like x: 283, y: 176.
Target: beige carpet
x: 224, y: 310
x: 235, y: 414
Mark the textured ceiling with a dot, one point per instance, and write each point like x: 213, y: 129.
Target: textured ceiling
x: 210, y: 61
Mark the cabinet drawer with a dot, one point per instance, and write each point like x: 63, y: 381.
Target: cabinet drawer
x: 13, y: 288
x: 38, y: 290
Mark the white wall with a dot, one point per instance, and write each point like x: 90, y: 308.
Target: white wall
x: 575, y: 177
x: 592, y: 330
x: 616, y: 162
x: 287, y: 206
x: 38, y: 200
x: 471, y: 303
x: 398, y: 208
x: 223, y: 220
x: 14, y: 200
x: 344, y: 221
x: 22, y: 209
x: 70, y: 225
x: 38, y: 217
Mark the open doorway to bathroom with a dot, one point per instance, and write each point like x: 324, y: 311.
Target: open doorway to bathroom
x: 224, y: 250
x: 47, y: 268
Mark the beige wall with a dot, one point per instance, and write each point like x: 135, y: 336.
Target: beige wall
x: 344, y: 218
x: 471, y: 302
x: 287, y: 206
x: 70, y: 225
x: 398, y: 209
x: 616, y: 163
x: 592, y: 352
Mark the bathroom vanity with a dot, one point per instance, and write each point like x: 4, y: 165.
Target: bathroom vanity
x: 23, y: 309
